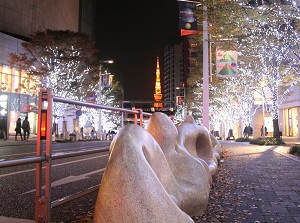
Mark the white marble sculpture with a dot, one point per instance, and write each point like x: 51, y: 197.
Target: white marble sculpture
x: 138, y: 184
x: 216, y: 147
x: 196, y: 139
x: 191, y: 173
x: 151, y: 176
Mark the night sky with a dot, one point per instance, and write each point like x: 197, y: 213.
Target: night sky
x: 133, y: 33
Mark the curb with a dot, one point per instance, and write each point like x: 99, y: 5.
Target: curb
x: 14, y: 220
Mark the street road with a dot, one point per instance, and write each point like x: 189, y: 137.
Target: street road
x: 69, y: 176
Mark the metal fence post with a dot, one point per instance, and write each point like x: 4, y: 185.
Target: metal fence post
x: 43, y: 202
x: 135, y: 119
x: 141, y: 117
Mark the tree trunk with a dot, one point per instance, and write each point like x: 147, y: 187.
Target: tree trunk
x: 276, y: 133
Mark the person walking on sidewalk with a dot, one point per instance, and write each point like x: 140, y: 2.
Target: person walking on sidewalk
x: 26, y: 128
x: 249, y: 131
x: 18, y: 129
x: 262, y: 131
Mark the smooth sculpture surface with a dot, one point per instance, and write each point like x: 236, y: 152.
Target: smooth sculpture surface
x: 196, y: 139
x: 156, y: 175
x: 216, y: 147
x: 190, y: 173
x: 138, y: 185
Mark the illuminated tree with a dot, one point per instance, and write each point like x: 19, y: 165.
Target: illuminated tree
x: 271, y: 46
x: 194, y: 94
x: 67, y: 63
x: 267, y: 39
x: 111, y: 96
x: 63, y: 61
x: 179, y: 114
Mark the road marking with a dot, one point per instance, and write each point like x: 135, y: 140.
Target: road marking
x: 56, y: 165
x: 53, y: 151
x: 69, y: 179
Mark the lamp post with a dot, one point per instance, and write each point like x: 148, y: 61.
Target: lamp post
x: 100, y: 95
x: 205, y: 108
x: 178, y: 88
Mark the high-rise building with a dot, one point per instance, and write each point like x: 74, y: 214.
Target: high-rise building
x: 173, y: 72
x: 180, y: 59
x: 87, y: 17
x: 20, y: 19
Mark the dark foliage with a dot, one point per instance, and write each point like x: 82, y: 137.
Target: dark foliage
x: 295, y: 150
x: 243, y: 139
x: 267, y: 141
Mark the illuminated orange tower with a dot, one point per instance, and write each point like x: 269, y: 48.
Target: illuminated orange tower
x: 158, y: 94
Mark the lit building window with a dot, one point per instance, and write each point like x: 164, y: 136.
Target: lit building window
x: 6, y: 79
x: 15, y: 83
x: 23, y: 82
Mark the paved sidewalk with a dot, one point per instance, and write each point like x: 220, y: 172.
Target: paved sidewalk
x: 12, y: 142
x: 266, y: 186
x: 291, y: 140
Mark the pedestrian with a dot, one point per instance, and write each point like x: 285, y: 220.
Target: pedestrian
x: 93, y: 133
x: 261, y: 131
x: 249, y: 131
x: 246, y: 132
x: 3, y: 128
x: 112, y: 133
x: 18, y: 129
x: 26, y: 128
x: 108, y: 135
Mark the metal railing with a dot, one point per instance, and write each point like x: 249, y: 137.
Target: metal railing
x: 43, y: 204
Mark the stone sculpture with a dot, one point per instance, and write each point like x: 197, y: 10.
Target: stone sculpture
x: 152, y: 177
x: 196, y: 139
x: 216, y: 147
x: 191, y: 174
x: 138, y: 184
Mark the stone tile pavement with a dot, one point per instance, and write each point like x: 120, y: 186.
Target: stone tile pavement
x: 267, y: 184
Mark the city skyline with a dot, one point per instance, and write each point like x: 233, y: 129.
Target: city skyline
x: 133, y: 34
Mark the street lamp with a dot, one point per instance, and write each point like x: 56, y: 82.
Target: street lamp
x: 205, y: 99
x: 100, y: 94
x: 184, y: 98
